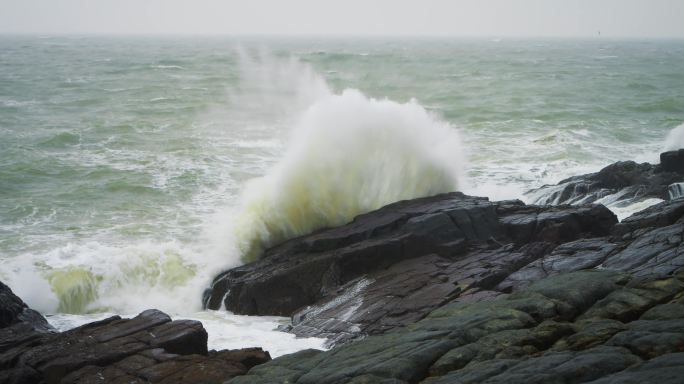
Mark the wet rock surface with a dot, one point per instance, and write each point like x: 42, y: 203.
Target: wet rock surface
x: 673, y: 161
x: 391, y: 267
x: 647, y: 244
x: 150, y: 348
x: 560, y: 294
x: 625, y: 181
x: 578, y: 327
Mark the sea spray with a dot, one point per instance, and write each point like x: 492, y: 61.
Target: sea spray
x: 675, y: 139
x: 273, y: 88
x: 94, y: 277
x: 350, y: 154
x: 128, y: 274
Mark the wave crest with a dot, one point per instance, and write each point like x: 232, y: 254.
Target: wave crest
x: 350, y: 154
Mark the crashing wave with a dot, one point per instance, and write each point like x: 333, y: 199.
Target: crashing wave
x: 350, y: 154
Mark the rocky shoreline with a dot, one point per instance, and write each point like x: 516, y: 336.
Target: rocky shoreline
x: 442, y: 289
x: 149, y: 348
x: 624, y: 181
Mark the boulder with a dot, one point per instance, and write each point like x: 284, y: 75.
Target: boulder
x: 149, y: 348
x: 391, y: 267
x: 673, y: 161
x: 622, y: 182
x: 14, y: 311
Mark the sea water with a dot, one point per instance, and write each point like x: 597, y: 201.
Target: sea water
x: 133, y: 169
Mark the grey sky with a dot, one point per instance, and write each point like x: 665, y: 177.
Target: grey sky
x: 619, y: 18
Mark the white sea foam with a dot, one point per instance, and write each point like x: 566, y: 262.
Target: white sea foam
x: 167, y: 67
x: 624, y: 211
x: 82, y: 282
x: 347, y: 154
x: 676, y: 190
x: 225, y: 330
x: 256, y: 143
x: 228, y: 331
x: 94, y: 276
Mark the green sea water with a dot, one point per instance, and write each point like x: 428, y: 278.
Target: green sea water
x: 124, y: 159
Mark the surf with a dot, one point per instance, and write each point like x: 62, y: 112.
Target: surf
x: 349, y: 154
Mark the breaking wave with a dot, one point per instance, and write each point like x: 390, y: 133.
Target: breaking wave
x: 349, y: 154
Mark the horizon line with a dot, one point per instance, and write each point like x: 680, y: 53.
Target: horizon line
x: 335, y: 35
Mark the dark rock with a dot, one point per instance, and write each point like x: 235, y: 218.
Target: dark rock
x: 589, y: 333
x: 391, y: 267
x: 150, y: 348
x: 109, y: 342
x: 652, y: 338
x: 554, y: 367
x: 157, y: 366
x: 568, y: 257
x: 302, y: 270
x: 655, y: 252
x: 659, y: 215
x: 400, y: 295
x: 21, y: 329
x: 647, y: 244
x: 568, y: 328
x: 556, y: 224
x: 673, y: 161
x: 13, y: 311
x: 628, y: 303
x: 664, y: 312
x: 625, y: 181
x: 662, y: 369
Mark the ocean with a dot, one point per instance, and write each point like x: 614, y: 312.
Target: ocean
x: 133, y: 169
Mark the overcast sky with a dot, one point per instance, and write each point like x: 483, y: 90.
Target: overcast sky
x: 619, y: 18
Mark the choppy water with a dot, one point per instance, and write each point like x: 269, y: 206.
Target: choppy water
x: 123, y: 160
